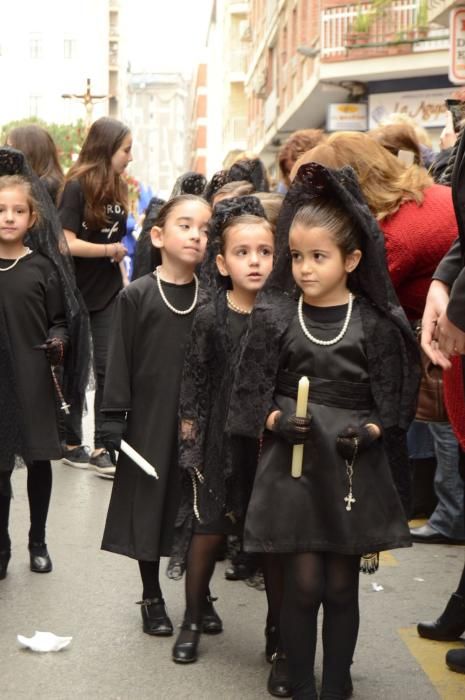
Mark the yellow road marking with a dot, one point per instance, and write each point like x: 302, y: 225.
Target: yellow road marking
x: 431, y: 657
x: 387, y: 559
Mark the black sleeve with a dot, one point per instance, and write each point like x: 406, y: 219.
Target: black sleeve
x: 71, y: 208
x: 57, y: 324
x: 117, y: 391
x: 451, y: 265
x: 456, y: 306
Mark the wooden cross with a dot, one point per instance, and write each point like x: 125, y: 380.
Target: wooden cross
x: 349, y: 500
x: 88, y: 100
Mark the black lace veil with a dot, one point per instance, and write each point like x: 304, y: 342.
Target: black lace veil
x: 252, y: 170
x: 146, y: 257
x: 217, y: 181
x: 189, y: 183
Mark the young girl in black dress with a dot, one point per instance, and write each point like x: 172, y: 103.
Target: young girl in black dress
x: 338, y: 323
x: 151, y: 327
x: 32, y: 319
x: 218, y: 472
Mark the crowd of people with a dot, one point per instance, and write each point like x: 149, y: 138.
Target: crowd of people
x: 263, y: 358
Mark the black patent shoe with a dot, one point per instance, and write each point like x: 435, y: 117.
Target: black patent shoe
x: 155, y: 619
x: 39, y: 558
x: 185, y: 647
x: 4, y: 559
x: 455, y: 659
x: 278, y: 680
x: 211, y: 623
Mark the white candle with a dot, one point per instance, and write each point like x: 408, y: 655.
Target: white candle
x: 300, y: 412
x: 138, y: 459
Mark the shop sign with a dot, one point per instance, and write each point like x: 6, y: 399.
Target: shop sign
x: 457, y: 46
x: 426, y: 108
x: 347, y: 116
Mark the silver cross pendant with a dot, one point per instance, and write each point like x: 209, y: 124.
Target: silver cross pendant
x: 349, y: 500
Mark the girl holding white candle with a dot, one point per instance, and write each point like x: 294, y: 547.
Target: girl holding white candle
x: 329, y: 313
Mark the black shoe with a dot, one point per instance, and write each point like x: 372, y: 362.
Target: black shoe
x: 185, y: 650
x: 101, y: 464
x: 449, y: 626
x: 76, y: 456
x: 278, y: 680
x: 211, y: 622
x: 271, y: 643
x: 455, y: 659
x: 4, y: 559
x: 40, y: 558
x: 155, y: 619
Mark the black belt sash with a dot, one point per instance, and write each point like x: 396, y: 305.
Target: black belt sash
x: 356, y: 395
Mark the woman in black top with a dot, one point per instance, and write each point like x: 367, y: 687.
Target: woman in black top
x: 93, y: 212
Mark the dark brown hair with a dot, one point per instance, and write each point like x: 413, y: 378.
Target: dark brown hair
x: 242, y: 220
x: 93, y: 169
x: 171, y: 204
x: 8, y: 181
x: 299, y: 142
x: 41, y: 153
x: 325, y: 214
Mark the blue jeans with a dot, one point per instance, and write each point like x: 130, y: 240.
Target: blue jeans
x: 448, y: 516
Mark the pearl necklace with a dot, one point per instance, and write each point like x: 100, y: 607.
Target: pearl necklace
x: 170, y: 306
x: 15, y: 262
x: 317, y: 341
x: 234, y: 307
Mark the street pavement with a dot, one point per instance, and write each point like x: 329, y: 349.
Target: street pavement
x: 91, y: 596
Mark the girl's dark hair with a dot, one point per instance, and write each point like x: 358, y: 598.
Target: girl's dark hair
x: 244, y: 220
x: 41, y: 152
x: 171, y: 204
x: 337, y: 221
x: 93, y: 169
x: 7, y: 181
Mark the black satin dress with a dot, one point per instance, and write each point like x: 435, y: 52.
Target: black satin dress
x: 309, y: 513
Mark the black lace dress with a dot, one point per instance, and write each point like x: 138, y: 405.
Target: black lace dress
x: 309, y: 513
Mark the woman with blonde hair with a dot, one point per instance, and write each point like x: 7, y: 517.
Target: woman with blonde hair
x: 419, y: 225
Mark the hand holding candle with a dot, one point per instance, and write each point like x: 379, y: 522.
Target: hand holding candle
x: 301, y: 412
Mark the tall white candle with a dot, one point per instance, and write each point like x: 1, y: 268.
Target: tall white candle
x: 300, y: 412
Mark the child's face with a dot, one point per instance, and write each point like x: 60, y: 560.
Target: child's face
x: 247, y: 257
x: 123, y: 156
x: 318, y: 265
x: 183, y: 237
x: 16, y: 216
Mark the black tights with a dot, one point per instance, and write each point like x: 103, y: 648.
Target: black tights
x: 150, y: 575
x: 312, y: 579
x: 39, y: 489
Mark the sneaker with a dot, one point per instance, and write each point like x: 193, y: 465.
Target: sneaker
x: 102, y: 464
x: 76, y: 457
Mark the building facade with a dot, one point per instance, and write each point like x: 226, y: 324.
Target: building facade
x: 227, y: 52
x: 52, y: 48
x: 156, y: 110
x: 196, y: 144
x: 306, y: 55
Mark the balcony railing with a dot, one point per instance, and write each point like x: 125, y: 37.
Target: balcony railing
x: 395, y: 27
x: 235, y: 130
